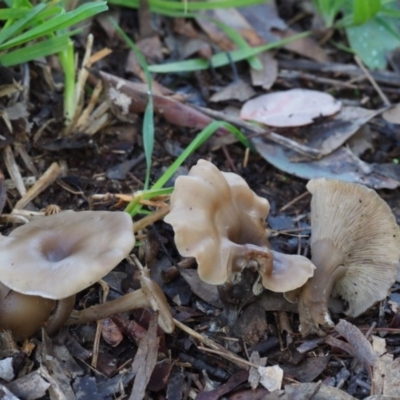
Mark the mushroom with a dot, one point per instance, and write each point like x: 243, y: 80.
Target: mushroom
x: 44, y: 263
x: 355, y: 246
x: 220, y: 221
x: 150, y: 295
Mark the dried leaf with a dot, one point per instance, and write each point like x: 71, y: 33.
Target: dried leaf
x: 393, y: 114
x: 315, y: 391
x: 238, y: 90
x: 267, y: 76
x: 342, y: 164
x: 361, y: 347
x: 227, y: 387
x: 29, y: 387
x: 308, y: 370
x: 145, y: 360
x: 386, y: 374
x: 271, y: 377
x: 254, y: 375
x: 295, y: 107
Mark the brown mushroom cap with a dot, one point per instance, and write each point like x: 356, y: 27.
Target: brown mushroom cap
x: 59, y: 255
x: 355, y: 245
x: 220, y: 221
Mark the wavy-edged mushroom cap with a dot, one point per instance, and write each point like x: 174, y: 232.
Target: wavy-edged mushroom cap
x: 220, y: 221
x: 355, y: 246
x: 59, y: 255
x: 213, y: 215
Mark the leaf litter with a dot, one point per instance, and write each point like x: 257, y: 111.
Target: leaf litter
x: 98, y: 165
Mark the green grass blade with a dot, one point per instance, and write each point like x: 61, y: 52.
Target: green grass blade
x: 221, y: 59
x: 17, y: 26
x: 238, y: 39
x: 182, y: 7
x: 58, y: 22
x: 148, y: 119
x: 134, y: 206
x: 37, y: 50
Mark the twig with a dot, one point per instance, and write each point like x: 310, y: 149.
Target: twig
x: 373, y: 81
x: 150, y: 219
x: 295, y: 200
x: 51, y: 174
x: 215, y: 346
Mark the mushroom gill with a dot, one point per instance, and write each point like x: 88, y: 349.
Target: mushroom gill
x: 355, y: 246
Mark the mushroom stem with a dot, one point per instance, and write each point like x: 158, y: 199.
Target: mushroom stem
x: 60, y: 314
x: 313, y: 302
x: 127, y: 302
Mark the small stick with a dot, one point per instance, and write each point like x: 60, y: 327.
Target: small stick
x: 150, y: 219
x: 295, y: 200
x: 373, y: 81
x: 215, y: 346
x: 13, y: 170
x: 51, y: 174
x: 96, y: 344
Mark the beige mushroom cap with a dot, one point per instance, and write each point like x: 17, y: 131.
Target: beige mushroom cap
x: 355, y: 245
x: 213, y: 215
x: 220, y: 221
x: 59, y: 255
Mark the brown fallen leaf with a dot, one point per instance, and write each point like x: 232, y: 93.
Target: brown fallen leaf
x: 234, y: 381
x: 294, y: 107
x: 145, y: 360
x: 238, y: 90
x: 307, y: 370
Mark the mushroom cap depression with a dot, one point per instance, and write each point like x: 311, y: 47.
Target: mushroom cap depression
x: 61, y: 254
x: 220, y: 221
x: 355, y: 246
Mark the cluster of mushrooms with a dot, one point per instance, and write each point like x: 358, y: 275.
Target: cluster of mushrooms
x: 355, y: 242
x: 218, y: 220
x: 46, y: 262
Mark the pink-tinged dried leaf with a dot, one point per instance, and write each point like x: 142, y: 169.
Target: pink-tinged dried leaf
x: 295, y: 107
x: 111, y: 333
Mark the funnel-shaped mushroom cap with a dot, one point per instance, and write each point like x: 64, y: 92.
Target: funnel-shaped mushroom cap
x: 213, y: 215
x: 220, y: 221
x: 59, y: 255
x: 355, y: 245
